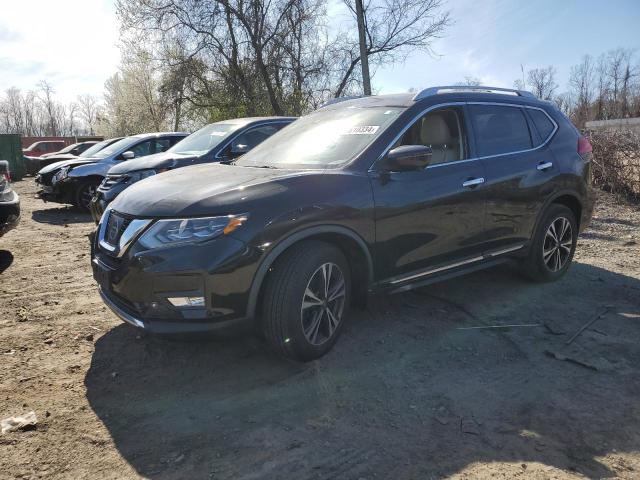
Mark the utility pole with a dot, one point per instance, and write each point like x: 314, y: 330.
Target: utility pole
x: 364, y: 60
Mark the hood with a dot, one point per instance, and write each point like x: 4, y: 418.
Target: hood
x: 67, y: 163
x: 58, y: 156
x: 155, y: 161
x: 208, y: 189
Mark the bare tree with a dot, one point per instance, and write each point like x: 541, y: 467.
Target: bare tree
x: 542, y: 82
x: 581, y: 83
x: 394, y: 28
x: 88, y: 110
x: 50, y: 107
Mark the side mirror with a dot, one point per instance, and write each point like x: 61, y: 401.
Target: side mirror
x: 408, y: 157
x: 128, y: 155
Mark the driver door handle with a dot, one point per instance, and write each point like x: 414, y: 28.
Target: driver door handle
x: 544, y: 166
x: 474, y: 182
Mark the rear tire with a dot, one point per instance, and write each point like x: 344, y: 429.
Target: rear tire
x: 84, y: 193
x: 305, y: 300
x: 553, y: 245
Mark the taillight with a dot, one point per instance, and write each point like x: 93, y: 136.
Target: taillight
x: 584, y: 145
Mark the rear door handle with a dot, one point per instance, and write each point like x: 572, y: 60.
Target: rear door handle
x: 544, y: 166
x: 474, y: 182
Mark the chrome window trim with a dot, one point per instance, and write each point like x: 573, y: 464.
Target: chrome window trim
x: 238, y: 133
x: 472, y: 159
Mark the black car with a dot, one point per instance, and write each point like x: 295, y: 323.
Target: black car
x: 377, y: 194
x: 218, y: 142
x: 75, y: 181
x: 34, y: 164
x: 9, y: 201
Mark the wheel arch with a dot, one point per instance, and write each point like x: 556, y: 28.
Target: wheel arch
x: 349, y: 242
x: 569, y: 199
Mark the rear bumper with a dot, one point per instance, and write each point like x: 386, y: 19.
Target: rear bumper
x: 9, y: 213
x: 588, y: 207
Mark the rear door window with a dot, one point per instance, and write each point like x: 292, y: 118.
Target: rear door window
x: 542, y: 123
x: 499, y: 129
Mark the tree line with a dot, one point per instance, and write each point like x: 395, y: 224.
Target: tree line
x: 599, y: 88
x: 38, y: 113
x: 190, y: 62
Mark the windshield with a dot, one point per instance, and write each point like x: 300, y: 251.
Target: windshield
x: 114, y: 148
x: 322, y: 139
x: 205, y: 139
x: 68, y: 148
x: 92, y: 150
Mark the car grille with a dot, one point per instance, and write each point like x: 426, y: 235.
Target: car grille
x: 116, y: 225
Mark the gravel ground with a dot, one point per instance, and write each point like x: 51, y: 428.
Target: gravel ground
x: 408, y: 392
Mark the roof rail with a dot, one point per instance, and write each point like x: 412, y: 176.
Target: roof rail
x: 470, y: 88
x: 338, y: 100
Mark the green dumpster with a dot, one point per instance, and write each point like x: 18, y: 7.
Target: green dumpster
x: 11, y: 150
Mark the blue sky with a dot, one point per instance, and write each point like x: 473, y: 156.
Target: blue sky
x: 489, y: 40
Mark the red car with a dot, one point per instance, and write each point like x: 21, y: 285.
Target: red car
x: 42, y: 147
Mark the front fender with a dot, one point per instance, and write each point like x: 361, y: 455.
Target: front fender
x: 91, y: 169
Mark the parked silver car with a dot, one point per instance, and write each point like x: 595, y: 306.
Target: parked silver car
x: 75, y: 181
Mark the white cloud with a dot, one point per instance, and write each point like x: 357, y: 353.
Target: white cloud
x: 70, y: 43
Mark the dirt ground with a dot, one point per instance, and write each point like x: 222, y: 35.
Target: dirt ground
x: 409, y: 392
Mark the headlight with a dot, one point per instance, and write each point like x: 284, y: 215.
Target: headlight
x: 61, y: 174
x: 189, y: 230
x: 137, y: 176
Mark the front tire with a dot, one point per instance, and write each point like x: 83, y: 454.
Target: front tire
x: 553, y: 245
x: 305, y: 300
x: 84, y: 194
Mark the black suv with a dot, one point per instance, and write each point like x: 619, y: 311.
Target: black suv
x: 216, y: 142
x: 375, y: 194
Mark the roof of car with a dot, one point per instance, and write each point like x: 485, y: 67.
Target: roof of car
x: 160, y: 134
x: 461, y: 92
x: 246, y: 120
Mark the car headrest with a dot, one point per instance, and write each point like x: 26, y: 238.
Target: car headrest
x: 434, y: 131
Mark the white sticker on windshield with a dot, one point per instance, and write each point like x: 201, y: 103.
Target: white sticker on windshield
x: 218, y: 134
x: 363, y: 130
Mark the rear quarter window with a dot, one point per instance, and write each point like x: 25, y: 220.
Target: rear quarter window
x: 542, y: 123
x: 499, y: 129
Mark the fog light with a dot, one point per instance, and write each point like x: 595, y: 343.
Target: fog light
x: 186, y: 301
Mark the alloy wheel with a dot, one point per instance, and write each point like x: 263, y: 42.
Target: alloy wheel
x: 323, y: 304
x: 557, y: 244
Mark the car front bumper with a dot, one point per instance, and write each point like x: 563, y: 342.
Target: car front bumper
x: 168, y: 327
x: 137, y: 286
x: 58, y: 193
x: 9, y: 212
